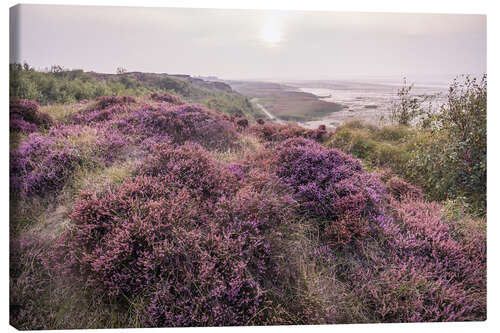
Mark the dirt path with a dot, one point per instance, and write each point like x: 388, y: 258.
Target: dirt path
x: 268, y: 114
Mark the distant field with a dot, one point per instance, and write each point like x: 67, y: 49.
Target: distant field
x: 285, y: 103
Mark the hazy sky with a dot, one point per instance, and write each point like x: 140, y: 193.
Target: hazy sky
x: 249, y: 43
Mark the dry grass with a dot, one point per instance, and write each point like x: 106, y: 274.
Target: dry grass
x: 62, y: 112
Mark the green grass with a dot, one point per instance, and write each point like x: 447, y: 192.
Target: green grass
x: 384, y: 147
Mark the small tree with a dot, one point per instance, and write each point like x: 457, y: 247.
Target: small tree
x: 409, y: 107
x: 451, y: 161
x: 56, y: 69
x: 121, y: 70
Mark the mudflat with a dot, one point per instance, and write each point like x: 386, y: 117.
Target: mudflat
x: 286, y: 102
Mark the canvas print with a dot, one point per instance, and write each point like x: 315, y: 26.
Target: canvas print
x: 176, y: 167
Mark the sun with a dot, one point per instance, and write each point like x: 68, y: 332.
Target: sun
x: 270, y: 33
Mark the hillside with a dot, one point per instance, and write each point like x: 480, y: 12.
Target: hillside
x: 61, y: 86
x: 143, y: 209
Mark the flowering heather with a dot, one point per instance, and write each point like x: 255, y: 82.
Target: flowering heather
x: 170, y: 120
x: 169, y: 98
x: 186, y: 222
x: 180, y: 123
x: 238, y: 169
x: 242, y: 122
x: 43, y: 163
x: 277, y: 133
x: 181, y: 234
x: 21, y: 125
x: 38, y: 167
x: 25, y: 116
x: 106, y: 101
x: 423, y: 272
x: 99, y: 115
x: 331, y: 186
x: 190, y: 166
x: 401, y: 189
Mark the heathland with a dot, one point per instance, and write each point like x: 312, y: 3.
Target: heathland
x: 146, y: 200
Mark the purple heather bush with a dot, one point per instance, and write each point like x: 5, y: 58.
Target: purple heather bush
x: 25, y: 116
x: 106, y: 101
x: 106, y: 108
x: 330, y: 186
x: 38, y: 167
x: 238, y: 169
x: 402, y: 189
x: 421, y: 272
x: 21, y: 125
x: 180, y: 124
x: 44, y: 163
x: 182, y: 234
x: 99, y: 115
x: 241, y: 122
x: 166, y: 97
x: 277, y: 133
x: 167, y: 120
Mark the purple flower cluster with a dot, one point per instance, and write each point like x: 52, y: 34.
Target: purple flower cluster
x: 44, y: 163
x: 185, y: 234
x: 98, y: 115
x: 21, y: 125
x: 425, y: 272
x: 401, y: 189
x: 180, y: 124
x: 37, y: 167
x: 331, y: 186
x: 277, y: 133
x: 168, y: 98
x: 25, y: 116
x: 107, y: 101
x: 238, y: 169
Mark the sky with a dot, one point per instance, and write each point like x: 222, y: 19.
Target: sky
x: 249, y: 44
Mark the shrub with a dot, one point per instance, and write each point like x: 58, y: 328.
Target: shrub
x: 107, y: 101
x: 330, y: 185
x: 238, y: 170
x: 98, y: 115
x: 37, y: 167
x: 44, y: 163
x: 190, y: 166
x: 401, y: 189
x: 418, y: 270
x: 409, y: 107
x: 180, y: 123
x: 21, y: 125
x: 345, y: 230
x: 453, y: 154
x: 169, y: 98
x: 25, y: 116
x: 181, y: 235
x: 277, y: 133
x: 242, y: 122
